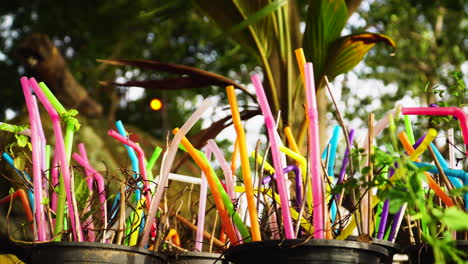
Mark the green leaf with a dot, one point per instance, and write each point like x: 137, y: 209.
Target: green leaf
x: 45, y: 201
x: 19, y: 163
x: 69, y: 118
x: 349, y: 51
x: 7, y: 127
x: 22, y: 140
x: 11, y: 191
x: 455, y: 218
x: 325, y: 21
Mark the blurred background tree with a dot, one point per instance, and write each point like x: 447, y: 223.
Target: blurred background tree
x: 430, y: 38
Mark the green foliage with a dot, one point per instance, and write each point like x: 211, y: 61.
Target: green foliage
x: 21, y: 140
x: 323, y: 45
x: 69, y: 118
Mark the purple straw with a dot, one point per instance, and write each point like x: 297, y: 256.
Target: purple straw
x: 345, y: 162
x: 297, y: 173
x: 384, y: 214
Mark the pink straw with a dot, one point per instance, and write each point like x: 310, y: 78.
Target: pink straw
x: 89, y: 182
x: 36, y: 161
x: 42, y: 141
x: 61, y: 157
x: 442, y: 111
x: 55, y: 183
x: 202, y: 207
x: 277, y: 164
x: 141, y: 160
x: 101, y: 187
x: 225, y: 167
x: 314, y: 152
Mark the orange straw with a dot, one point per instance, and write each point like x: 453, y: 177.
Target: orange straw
x: 430, y: 181
x: 255, y: 228
x: 174, y: 237
x: 213, y: 187
x: 24, y: 201
x: 235, y: 153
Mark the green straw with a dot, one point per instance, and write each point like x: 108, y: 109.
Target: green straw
x: 61, y: 223
x: 150, y: 164
x: 409, y: 129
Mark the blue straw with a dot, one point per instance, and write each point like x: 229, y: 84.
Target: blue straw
x: 460, y: 174
x: 333, y: 144
x: 134, y: 160
x: 443, y: 163
x: 22, y: 175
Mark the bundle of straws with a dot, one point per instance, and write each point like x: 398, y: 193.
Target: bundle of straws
x: 275, y: 208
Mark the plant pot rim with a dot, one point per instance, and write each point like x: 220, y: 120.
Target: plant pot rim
x: 290, y: 243
x: 193, y: 254
x: 379, y: 242
x: 96, y: 245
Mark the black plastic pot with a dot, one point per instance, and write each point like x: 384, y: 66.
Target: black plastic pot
x: 422, y: 253
x: 85, y: 252
x: 392, y: 248
x: 195, y: 258
x: 313, y: 251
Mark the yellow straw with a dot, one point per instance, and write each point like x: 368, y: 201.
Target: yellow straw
x: 303, y: 165
x: 294, y: 214
x: 259, y: 159
x: 136, y: 221
x: 301, y: 61
x: 255, y: 228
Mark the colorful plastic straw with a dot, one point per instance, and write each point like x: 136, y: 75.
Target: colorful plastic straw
x: 131, y: 154
x: 202, y: 207
x: 246, y: 173
x: 101, y: 187
x: 224, y: 197
x: 36, y: 161
x: 42, y: 147
x: 23, y: 175
x: 314, y: 152
x: 409, y: 129
x: 136, y: 169
x: 136, y: 222
x: 414, y: 157
x: 48, y: 103
x: 443, y: 163
x: 441, y: 111
x: 460, y: 174
x: 166, y: 166
x: 331, y: 165
x: 275, y: 154
x: 89, y: 182
x: 215, y: 191
x: 150, y: 164
x: 298, y: 178
x: 141, y: 157
x: 294, y: 214
x: 345, y: 162
x: 24, y: 201
x: 224, y: 166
